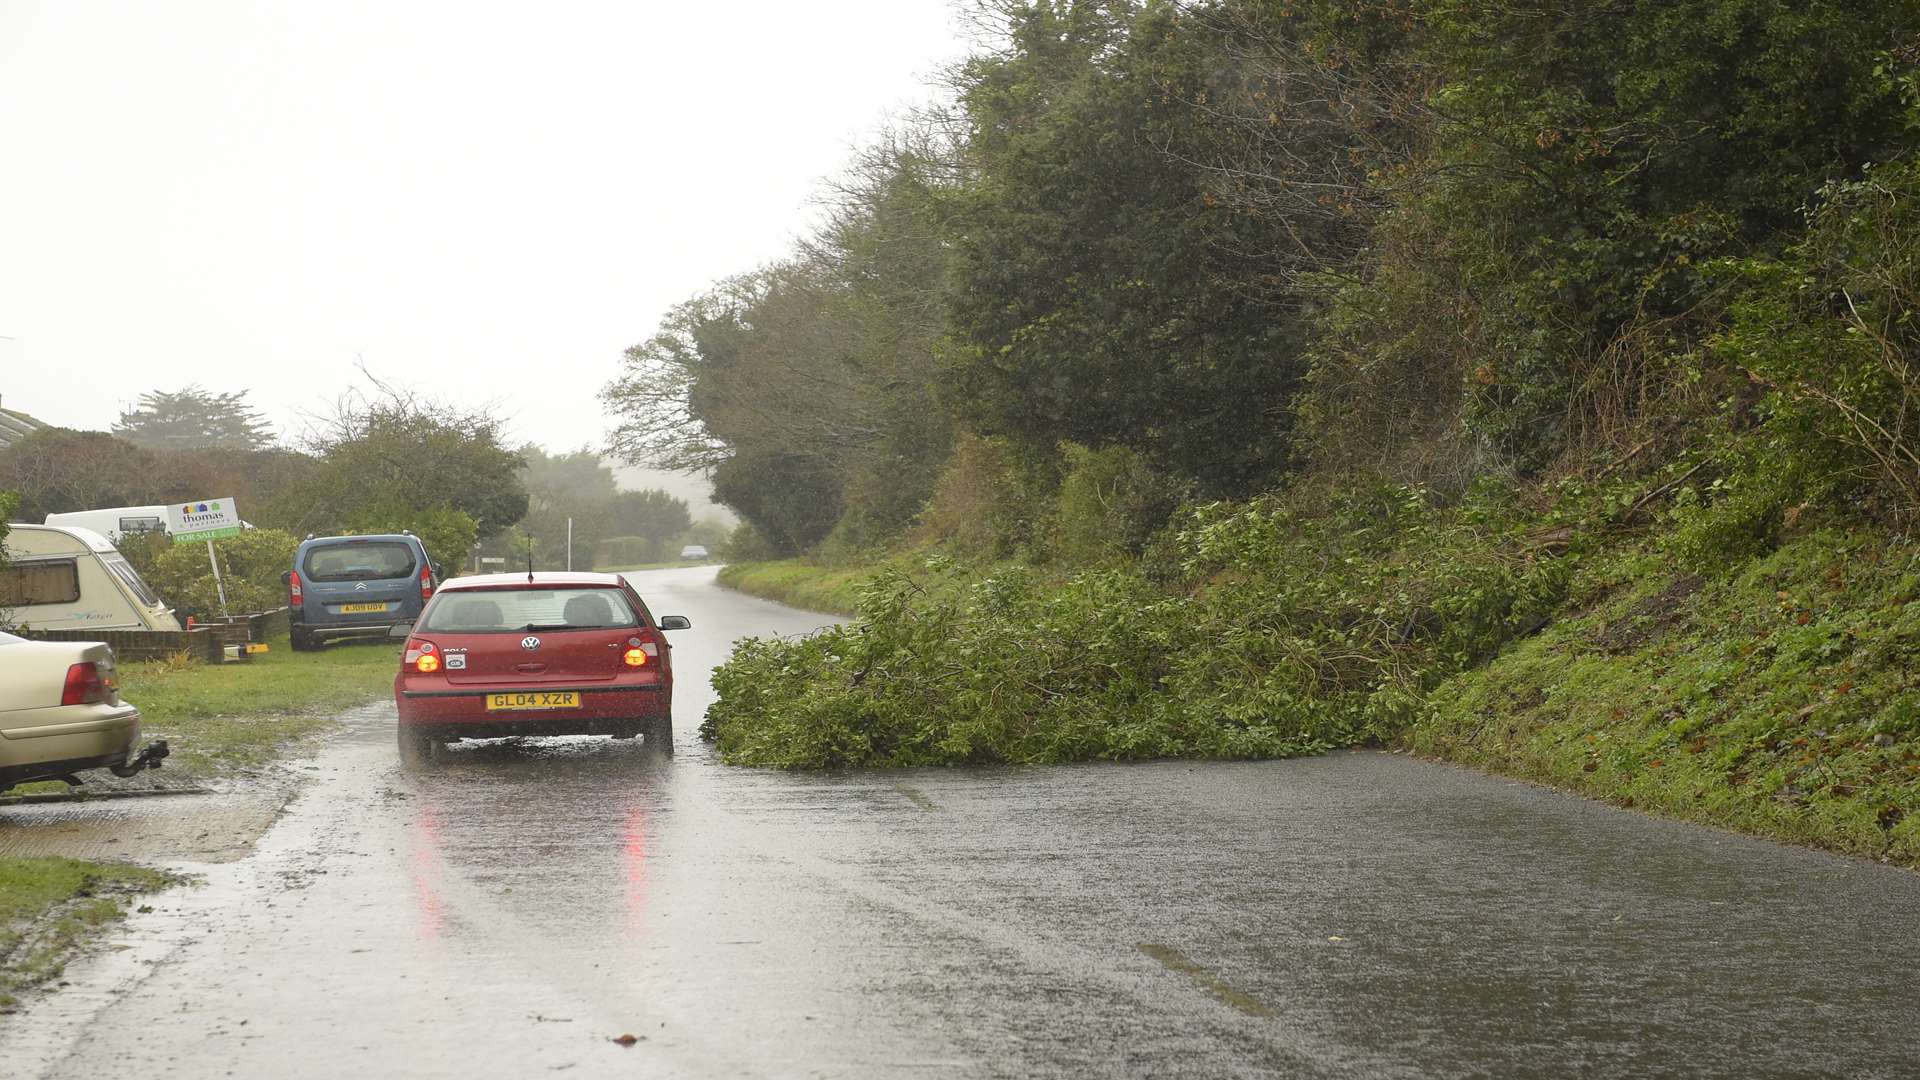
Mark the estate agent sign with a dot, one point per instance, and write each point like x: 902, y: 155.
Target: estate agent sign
x: 215, y: 519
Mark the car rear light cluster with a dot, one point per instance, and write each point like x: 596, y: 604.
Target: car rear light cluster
x: 426, y: 582
x: 88, y: 684
x: 643, y: 648
x: 422, y: 657
x: 293, y: 590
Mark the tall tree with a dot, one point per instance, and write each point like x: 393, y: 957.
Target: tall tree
x: 1101, y: 291
x: 395, y: 456
x: 194, y: 419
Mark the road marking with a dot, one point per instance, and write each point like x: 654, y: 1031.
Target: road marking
x: 916, y: 797
x: 1175, y: 961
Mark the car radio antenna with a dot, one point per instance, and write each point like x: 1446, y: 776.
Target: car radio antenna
x: 529, y: 564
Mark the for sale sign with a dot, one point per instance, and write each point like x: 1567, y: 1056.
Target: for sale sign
x: 215, y: 519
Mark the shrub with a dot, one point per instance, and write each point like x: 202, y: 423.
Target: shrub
x: 251, y: 564
x: 1110, y: 502
x: 979, y: 507
x: 1287, y: 633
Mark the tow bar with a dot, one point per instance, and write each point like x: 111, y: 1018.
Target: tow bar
x: 149, y: 758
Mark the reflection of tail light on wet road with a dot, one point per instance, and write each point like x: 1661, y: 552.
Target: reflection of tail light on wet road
x: 426, y: 868
x: 634, y: 851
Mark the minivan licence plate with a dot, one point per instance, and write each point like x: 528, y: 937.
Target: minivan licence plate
x: 539, y: 699
x: 356, y: 609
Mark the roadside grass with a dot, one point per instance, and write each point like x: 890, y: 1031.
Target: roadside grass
x: 48, y: 906
x: 1776, y: 699
x: 800, y: 583
x: 218, y: 718
x: 835, y: 588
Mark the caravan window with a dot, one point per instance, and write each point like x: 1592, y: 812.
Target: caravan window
x: 54, y: 581
x: 131, y: 525
x: 125, y: 572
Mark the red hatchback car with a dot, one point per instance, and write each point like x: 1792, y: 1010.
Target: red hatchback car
x: 535, y: 654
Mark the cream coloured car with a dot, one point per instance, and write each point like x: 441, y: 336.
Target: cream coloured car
x: 61, y: 712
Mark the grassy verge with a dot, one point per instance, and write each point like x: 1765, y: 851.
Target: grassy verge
x: 241, y: 715
x: 1777, y: 699
x: 49, y: 906
x: 801, y: 583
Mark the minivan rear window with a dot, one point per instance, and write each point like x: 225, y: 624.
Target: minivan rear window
x: 490, y: 611
x: 375, y: 560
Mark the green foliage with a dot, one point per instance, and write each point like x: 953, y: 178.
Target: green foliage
x: 250, y: 563
x: 395, y: 458
x: 1110, y: 503
x: 979, y: 507
x: 194, y: 419
x: 1832, y: 330
x: 1297, y: 633
x: 1103, y: 295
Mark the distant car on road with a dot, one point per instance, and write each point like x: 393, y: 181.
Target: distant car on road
x: 357, y: 586
x: 61, y: 713
x: 694, y: 551
x: 535, y: 654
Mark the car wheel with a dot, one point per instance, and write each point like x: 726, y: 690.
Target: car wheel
x: 416, y: 748
x: 302, y: 641
x: 660, y: 734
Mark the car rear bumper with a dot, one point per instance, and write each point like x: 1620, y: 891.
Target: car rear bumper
x: 66, y: 740
x: 354, y: 625
x: 463, y: 714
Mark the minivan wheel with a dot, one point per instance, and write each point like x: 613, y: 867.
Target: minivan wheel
x: 302, y: 641
x: 416, y: 748
x: 660, y: 734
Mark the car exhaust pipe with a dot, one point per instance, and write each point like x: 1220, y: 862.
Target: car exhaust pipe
x: 149, y: 758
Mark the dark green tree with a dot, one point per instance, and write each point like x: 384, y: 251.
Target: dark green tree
x: 1104, y: 295
x: 194, y: 419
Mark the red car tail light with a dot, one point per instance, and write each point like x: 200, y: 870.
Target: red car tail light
x: 422, y: 657
x: 293, y: 590
x: 86, y: 685
x: 637, y: 657
x: 426, y: 582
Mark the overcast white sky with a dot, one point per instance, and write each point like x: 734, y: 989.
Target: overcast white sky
x: 487, y: 202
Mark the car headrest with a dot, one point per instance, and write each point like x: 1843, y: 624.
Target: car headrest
x: 474, y: 615
x: 588, y: 610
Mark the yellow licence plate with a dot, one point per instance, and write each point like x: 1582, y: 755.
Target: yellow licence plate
x: 356, y: 609
x: 558, y: 699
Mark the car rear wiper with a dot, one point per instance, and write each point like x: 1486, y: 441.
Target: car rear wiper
x: 551, y: 626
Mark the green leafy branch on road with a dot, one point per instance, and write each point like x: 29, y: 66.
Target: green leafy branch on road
x: 1279, y: 634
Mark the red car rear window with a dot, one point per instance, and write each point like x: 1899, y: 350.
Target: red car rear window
x: 502, y: 611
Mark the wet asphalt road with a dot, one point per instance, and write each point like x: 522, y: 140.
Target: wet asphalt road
x: 508, y: 913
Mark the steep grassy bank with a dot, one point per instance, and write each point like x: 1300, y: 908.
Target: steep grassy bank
x: 1777, y: 696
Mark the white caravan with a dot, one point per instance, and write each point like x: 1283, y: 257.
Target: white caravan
x: 115, y: 523
x: 72, y: 579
